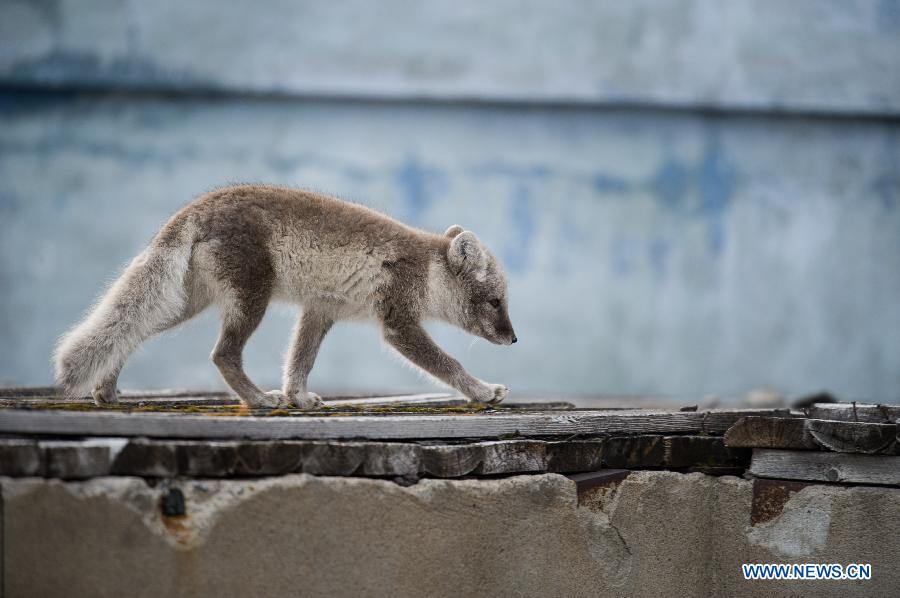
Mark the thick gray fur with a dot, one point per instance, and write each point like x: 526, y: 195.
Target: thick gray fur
x: 244, y: 246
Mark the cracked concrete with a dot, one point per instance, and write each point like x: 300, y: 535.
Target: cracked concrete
x: 802, y: 528
x: 653, y: 533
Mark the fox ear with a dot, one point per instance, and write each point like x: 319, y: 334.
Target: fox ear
x: 466, y: 254
x: 453, y: 231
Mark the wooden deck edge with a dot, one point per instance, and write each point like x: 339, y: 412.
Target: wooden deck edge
x: 96, y: 457
x: 815, y: 434
x: 317, y: 427
x: 819, y: 466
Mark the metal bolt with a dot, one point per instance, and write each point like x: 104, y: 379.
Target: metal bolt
x: 172, y: 503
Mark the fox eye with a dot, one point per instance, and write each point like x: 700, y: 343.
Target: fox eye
x: 495, y: 303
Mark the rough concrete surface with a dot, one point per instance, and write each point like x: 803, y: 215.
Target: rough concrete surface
x: 654, y: 534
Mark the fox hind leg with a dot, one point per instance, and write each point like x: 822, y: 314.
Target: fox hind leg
x: 239, y: 320
x: 308, y: 335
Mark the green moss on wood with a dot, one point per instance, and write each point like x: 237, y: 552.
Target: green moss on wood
x: 242, y: 410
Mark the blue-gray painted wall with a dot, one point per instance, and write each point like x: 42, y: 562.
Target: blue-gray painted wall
x: 681, y: 235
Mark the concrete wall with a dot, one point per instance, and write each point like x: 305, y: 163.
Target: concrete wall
x: 653, y: 534
x: 669, y: 250
x: 836, y: 55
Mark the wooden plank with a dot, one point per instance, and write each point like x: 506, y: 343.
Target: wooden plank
x: 316, y: 427
x: 855, y: 412
x: 173, y: 398
x: 79, y: 460
x: 54, y: 393
x: 703, y: 453
x: 537, y: 405
x: 267, y: 458
x: 395, y: 459
x: 449, y: 460
x: 176, y: 400
x: 485, y: 458
x: 68, y: 459
x: 770, y: 432
x: 717, y: 421
x: 631, y: 452
x: 823, y: 466
x: 147, y: 458
x: 852, y: 437
x: 512, y: 456
x: 814, y: 434
x: 671, y: 452
x: 20, y: 457
x: 74, y: 459
x: 429, y: 399
x: 206, y: 458
x: 575, y: 455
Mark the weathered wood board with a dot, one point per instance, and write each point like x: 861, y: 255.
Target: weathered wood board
x: 823, y: 466
x: 42, y: 396
x: 814, y: 434
x: 855, y: 412
x: 78, y: 459
x: 388, y: 427
x: 221, y: 401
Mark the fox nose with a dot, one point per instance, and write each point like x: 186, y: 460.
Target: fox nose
x: 514, y: 338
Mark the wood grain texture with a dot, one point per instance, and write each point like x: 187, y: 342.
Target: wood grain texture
x: 167, y: 458
x: 855, y: 412
x: 37, y: 397
x: 852, y: 437
x: 823, y: 466
x: 770, y: 432
x: 484, y: 426
x: 20, y: 457
x: 814, y: 434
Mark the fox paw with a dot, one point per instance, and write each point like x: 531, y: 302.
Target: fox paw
x: 491, y: 393
x: 274, y: 399
x: 307, y: 400
x: 499, y: 393
x: 105, y: 396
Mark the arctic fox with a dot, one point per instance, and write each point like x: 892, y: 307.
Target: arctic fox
x: 241, y: 247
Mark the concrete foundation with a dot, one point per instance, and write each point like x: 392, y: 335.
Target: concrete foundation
x: 651, y: 534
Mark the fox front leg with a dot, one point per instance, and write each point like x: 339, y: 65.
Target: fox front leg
x: 411, y: 340
x: 308, y: 334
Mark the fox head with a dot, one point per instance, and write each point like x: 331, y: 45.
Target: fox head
x: 479, y: 300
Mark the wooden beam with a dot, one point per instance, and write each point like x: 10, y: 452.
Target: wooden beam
x: 318, y: 427
x: 855, y: 412
x: 20, y: 457
x: 770, y: 432
x: 703, y: 453
x: 180, y: 398
x: 814, y: 434
x: 429, y: 399
x: 166, y: 458
x: 211, y: 403
x: 852, y: 437
x: 820, y: 466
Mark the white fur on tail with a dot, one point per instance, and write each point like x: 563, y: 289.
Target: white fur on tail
x: 149, y: 294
